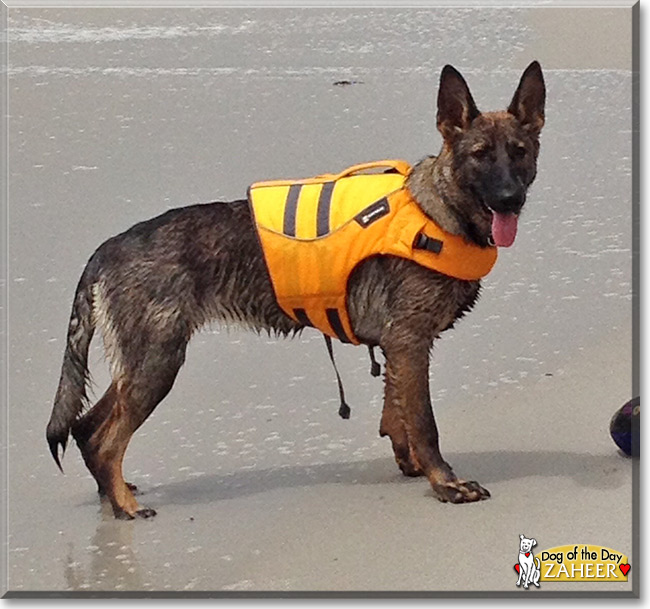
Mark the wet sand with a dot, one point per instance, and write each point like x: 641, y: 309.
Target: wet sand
x: 118, y: 115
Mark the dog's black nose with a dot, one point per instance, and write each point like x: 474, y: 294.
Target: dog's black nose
x: 509, y: 201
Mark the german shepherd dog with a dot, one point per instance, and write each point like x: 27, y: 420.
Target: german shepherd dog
x: 150, y: 288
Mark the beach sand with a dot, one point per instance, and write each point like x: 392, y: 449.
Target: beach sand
x: 116, y: 115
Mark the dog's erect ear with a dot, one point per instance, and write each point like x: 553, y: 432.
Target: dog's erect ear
x: 527, y: 105
x: 533, y: 542
x: 521, y: 536
x: 456, y: 108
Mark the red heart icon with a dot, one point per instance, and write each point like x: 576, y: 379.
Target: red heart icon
x: 527, y: 554
x: 624, y: 569
x: 516, y: 568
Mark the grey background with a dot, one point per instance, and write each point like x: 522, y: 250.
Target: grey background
x: 118, y: 114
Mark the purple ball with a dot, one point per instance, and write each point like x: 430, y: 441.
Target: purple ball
x: 625, y: 427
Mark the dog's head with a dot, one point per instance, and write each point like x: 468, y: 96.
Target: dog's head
x: 494, y: 154
x: 526, y: 545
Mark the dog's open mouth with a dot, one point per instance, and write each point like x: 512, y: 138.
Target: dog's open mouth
x: 504, y: 228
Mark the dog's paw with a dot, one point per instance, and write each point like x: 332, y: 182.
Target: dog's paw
x: 460, y: 491
x: 145, y: 513
x: 141, y: 513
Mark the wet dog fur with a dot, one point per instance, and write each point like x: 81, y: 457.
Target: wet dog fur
x: 150, y: 288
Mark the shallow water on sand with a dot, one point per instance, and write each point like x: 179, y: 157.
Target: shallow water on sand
x: 116, y: 115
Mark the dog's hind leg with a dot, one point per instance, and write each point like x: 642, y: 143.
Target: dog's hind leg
x: 132, y: 399
x: 87, y: 425
x: 536, y: 575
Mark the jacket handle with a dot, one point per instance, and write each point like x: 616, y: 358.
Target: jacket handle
x: 401, y: 167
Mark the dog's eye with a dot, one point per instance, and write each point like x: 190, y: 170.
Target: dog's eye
x: 520, y: 151
x: 479, y: 152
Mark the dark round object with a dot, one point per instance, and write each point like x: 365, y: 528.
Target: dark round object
x: 625, y: 427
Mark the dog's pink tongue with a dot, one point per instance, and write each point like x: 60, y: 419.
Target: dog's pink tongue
x: 504, y: 229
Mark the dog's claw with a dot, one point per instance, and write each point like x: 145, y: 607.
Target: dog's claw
x: 146, y: 513
x: 460, y: 491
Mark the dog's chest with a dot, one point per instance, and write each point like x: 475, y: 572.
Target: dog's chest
x: 464, y: 295
x: 387, y: 291
x: 442, y: 299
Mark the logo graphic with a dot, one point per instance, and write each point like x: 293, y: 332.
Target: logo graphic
x: 570, y: 563
x: 528, y: 566
x: 375, y: 211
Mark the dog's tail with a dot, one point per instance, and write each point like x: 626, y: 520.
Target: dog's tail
x: 71, y: 395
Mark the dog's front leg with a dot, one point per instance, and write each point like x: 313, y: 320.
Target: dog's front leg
x: 530, y: 575
x: 392, y: 425
x: 407, y: 389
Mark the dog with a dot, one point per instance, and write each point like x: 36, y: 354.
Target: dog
x: 529, y: 572
x: 150, y: 288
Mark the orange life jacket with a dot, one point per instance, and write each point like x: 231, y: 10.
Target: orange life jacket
x: 315, y: 231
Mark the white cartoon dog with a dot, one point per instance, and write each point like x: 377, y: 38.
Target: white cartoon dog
x: 528, y: 570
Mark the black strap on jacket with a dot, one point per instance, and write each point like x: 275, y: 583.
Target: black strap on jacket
x: 375, y: 368
x: 344, y: 409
